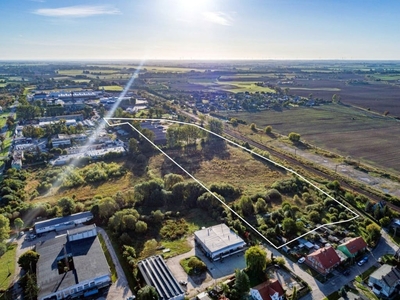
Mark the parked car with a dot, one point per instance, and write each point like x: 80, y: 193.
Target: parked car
x: 182, y: 282
x: 301, y: 260
x: 363, y: 261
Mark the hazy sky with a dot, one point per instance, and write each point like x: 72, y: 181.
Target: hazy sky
x: 199, y: 29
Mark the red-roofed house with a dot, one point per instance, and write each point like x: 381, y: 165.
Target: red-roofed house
x: 323, y: 260
x: 269, y: 290
x: 353, y: 246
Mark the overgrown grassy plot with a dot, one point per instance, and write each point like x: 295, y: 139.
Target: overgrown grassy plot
x: 85, y: 182
x: 215, y: 165
x: 110, y: 262
x: 7, y: 270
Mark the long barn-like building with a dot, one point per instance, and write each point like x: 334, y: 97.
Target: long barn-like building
x: 64, y: 223
x: 156, y: 273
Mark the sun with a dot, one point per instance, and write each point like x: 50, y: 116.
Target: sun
x: 194, y: 5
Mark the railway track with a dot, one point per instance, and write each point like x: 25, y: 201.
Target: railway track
x: 282, y: 156
x: 295, y: 162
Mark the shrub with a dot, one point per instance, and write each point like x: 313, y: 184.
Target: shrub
x: 294, y: 137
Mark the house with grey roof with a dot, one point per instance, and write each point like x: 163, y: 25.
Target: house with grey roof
x: 385, y: 281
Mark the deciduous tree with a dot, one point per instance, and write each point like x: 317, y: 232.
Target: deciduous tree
x: 256, y: 260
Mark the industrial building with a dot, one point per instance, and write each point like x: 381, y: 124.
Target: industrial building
x: 64, y: 223
x: 156, y: 273
x: 72, y: 265
x: 219, y: 241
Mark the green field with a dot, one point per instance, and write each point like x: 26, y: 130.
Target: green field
x: 112, y: 88
x: 241, y: 86
x: 7, y: 263
x: 316, y: 89
x: 387, y: 77
x: 338, y: 128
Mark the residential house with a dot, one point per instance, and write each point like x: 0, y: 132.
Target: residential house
x: 353, y: 247
x: 269, y: 290
x: 385, y: 281
x: 323, y: 260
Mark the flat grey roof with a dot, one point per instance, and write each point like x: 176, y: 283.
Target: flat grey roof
x: 156, y: 273
x: 219, y: 237
x: 80, y: 229
x: 61, y: 220
x: 89, y: 262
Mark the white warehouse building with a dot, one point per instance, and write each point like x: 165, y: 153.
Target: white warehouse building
x: 219, y: 241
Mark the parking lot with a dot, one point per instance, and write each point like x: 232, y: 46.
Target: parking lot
x: 218, y: 271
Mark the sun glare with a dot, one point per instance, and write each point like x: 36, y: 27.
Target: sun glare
x: 194, y: 5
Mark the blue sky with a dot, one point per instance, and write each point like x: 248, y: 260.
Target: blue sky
x: 199, y: 29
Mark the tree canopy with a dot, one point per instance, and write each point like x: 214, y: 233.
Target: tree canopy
x: 4, y: 228
x: 147, y: 292
x: 28, y: 260
x: 256, y: 259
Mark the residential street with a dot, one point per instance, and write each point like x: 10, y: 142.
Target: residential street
x: 321, y: 290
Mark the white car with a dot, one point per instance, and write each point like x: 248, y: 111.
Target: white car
x: 301, y: 260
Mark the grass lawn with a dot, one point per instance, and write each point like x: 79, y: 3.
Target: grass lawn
x: 110, y: 262
x: 112, y: 88
x: 7, y: 142
x: 177, y: 247
x: 7, y: 262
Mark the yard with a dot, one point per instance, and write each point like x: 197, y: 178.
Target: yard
x: 7, y: 270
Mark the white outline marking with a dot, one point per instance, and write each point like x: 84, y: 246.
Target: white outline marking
x: 244, y: 148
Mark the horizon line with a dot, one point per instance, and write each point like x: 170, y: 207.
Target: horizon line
x: 192, y: 59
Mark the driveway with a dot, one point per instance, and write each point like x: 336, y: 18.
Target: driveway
x: 217, y: 271
x: 119, y: 289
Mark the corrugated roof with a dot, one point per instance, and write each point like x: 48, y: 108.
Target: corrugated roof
x: 156, y: 273
x: 55, y: 221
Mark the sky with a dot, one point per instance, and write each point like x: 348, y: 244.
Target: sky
x: 199, y: 29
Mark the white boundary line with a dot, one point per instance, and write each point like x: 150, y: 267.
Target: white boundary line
x: 244, y: 148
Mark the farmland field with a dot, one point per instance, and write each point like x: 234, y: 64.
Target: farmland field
x: 338, y: 128
x: 113, y: 88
